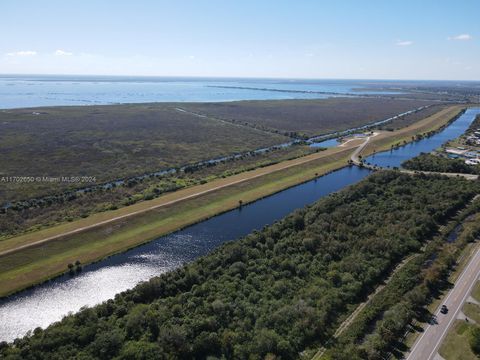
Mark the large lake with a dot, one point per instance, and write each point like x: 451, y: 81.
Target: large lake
x: 29, y: 91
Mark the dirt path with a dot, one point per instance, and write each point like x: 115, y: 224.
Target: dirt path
x: 356, y: 154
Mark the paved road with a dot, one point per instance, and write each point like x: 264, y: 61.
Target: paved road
x: 427, y: 345
x: 356, y: 154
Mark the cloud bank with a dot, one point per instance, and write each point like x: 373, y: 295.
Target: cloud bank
x: 404, y: 42
x: 22, y: 53
x: 62, y: 53
x: 461, y: 37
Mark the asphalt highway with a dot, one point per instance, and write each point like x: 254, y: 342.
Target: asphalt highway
x: 427, y: 345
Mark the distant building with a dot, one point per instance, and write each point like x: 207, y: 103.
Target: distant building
x: 472, y: 161
x: 471, y: 154
x: 457, y: 151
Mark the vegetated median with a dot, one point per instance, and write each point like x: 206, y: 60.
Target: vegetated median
x: 273, y: 293
x: 103, y: 234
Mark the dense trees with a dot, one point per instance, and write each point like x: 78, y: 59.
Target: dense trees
x: 276, y: 291
x: 429, y: 162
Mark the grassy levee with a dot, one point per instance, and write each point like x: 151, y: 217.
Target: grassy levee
x: 43, y: 254
x: 183, y: 194
x: 35, y: 264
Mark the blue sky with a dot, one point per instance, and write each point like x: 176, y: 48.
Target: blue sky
x: 369, y: 39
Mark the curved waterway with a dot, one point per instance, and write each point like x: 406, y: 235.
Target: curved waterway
x: 52, y: 300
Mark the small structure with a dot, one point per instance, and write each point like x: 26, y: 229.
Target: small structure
x: 471, y: 154
x: 457, y: 151
x: 472, y: 161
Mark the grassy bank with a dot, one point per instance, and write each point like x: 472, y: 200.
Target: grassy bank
x: 40, y: 213
x: 26, y: 267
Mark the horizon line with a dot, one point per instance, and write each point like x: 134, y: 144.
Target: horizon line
x: 233, y: 77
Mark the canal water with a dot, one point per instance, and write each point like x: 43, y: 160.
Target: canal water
x: 396, y: 157
x: 98, y: 282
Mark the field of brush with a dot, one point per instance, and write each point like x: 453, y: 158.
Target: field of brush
x: 307, y: 117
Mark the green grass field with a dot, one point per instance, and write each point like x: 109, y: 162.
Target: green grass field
x: 455, y: 346
x: 476, y: 291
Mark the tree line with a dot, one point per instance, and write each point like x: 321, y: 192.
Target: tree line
x: 429, y: 162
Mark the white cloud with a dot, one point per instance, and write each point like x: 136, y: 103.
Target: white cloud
x: 404, y: 42
x: 461, y: 37
x: 23, y: 53
x: 62, y: 53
